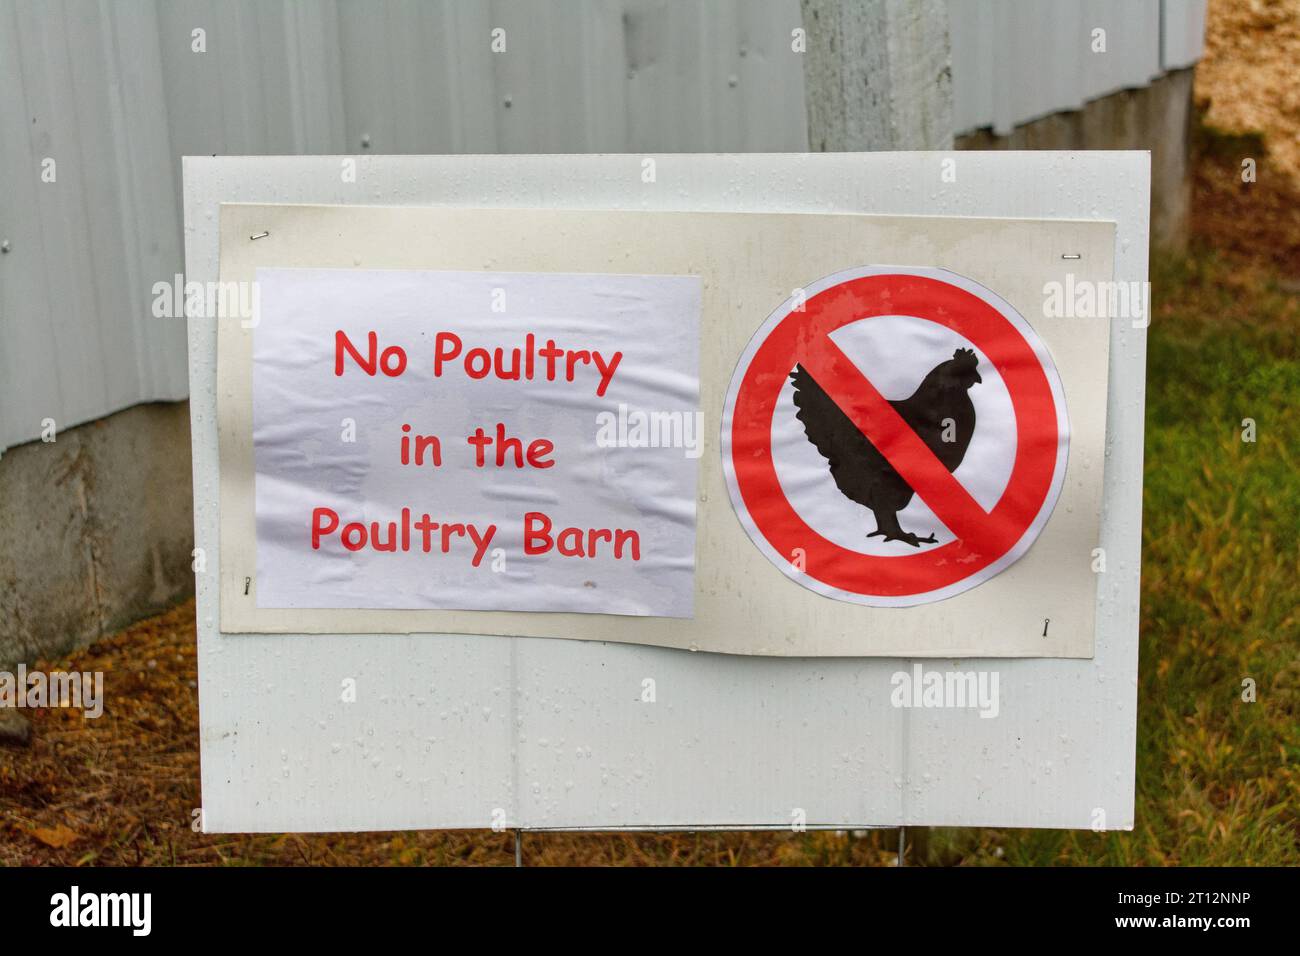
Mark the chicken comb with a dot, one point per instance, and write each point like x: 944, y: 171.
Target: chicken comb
x: 966, y: 357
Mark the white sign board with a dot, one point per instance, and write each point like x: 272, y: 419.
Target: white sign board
x: 463, y: 728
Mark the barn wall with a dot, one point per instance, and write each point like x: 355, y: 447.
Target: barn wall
x: 114, y: 94
x: 1016, y: 61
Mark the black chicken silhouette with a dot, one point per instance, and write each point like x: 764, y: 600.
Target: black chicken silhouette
x: 939, y: 408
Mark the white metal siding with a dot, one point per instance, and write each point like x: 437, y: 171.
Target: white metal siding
x: 82, y: 86
x: 1017, y: 60
x: 112, y: 91
x: 1182, y: 33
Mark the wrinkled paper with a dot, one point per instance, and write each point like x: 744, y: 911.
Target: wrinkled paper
x: 368, y: 386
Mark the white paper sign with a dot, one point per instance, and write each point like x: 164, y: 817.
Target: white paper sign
x: 476, y: 441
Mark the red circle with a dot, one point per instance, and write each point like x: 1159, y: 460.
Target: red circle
x: 925, y: 298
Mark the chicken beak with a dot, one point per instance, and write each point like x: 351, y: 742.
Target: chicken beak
x: 978, y: 380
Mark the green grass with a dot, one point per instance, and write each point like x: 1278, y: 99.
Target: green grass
x: 1217, y: 779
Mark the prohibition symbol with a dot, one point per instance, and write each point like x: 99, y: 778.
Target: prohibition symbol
x: 903, y: 498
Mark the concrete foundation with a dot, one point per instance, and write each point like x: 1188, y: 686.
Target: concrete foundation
x: 96, y: 530
x: 1156, y: 117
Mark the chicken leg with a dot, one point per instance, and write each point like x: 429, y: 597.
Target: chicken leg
x: 887, y: 527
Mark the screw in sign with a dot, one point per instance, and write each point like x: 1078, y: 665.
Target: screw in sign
x: 894, y: 436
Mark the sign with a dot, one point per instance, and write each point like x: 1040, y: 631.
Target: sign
x: 489, y: 335
x: 469, y: 440
x: 969, y: 444
x: 334, y: 719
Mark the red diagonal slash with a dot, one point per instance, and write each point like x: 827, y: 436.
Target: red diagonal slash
x: 804, y: 337
x: 902, y: 447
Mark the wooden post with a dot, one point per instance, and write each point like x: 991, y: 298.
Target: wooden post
x: 877, y: 75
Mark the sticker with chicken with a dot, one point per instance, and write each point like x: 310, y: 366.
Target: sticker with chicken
x: 894, y: 436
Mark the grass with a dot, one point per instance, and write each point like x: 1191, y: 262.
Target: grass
x: 1218, y: 778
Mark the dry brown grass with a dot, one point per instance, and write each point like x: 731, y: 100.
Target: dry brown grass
x: 1246, y: 82
x: 1249, y: 97
x: 1255, y: 224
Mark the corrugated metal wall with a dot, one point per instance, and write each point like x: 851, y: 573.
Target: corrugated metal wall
x: 1182, y: 33
x: 113, y: 93
x: 80, y: 86
x: 1017, y: 60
